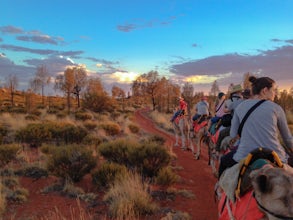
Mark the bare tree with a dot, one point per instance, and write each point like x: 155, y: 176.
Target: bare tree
x: 215, y: 88
x: 11, y: 84
x: 41, y: 79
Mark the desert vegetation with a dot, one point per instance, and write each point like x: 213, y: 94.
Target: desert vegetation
x: 87, y: 133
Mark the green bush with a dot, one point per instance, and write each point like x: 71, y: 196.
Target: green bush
x: 111, y: 128
x: 118, y: 151
x: 33, y: 133
x: 108, y: 173
x: 7, y: 154
x: 149, y: 158
x: 71, y: 162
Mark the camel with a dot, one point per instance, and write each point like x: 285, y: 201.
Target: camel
x: 181, y: 128
x: 267, y: 191
x: 273, y: 191
x: 202, y: 138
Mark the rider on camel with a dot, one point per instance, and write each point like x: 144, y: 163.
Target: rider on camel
x: 182, y: 109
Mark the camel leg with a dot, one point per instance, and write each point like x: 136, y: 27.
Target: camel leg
x: 177, y: 140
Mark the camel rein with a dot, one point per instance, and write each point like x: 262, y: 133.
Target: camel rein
x: 270, y: 212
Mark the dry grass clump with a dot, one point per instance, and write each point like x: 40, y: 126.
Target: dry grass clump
x: 166, y: 177
x: 128, y: 198
x: 75, y: 214
x: 162, y: 120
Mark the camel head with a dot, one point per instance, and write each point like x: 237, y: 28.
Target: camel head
x: 273, y: 189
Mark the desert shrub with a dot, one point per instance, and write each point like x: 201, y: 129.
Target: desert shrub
x: 8, y: 153
x: 33, y: 133
x: 92, y: 140
x: 31, y: 117
x: 61, y: 114
x: 3, y: 132
x: 18, y: 109
x: 36, y: 112
x: 90, y: 125
x: 18, y: 195
x: 156, y: 138
x: 108, y: 173
x: 71, y: 191
x: 2, y: 199
x: 166, y: 177
x: 118, y: 151
x: 52, y: 111
x: 128, y: 198
x: 149, y: 158
x: 83, y: 116
x: 111, y: 128
x: 12, y: 190
x: 33, y: 172
x: 133, y: 128
x: 66, y: 132
x: 71, y: 162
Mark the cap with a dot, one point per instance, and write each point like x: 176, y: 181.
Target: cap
x: 220, y: 95
x: 236, y: 88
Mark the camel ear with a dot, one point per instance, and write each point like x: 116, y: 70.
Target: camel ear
x: 263, y: 183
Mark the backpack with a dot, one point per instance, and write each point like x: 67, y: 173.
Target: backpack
x: 226, y: 120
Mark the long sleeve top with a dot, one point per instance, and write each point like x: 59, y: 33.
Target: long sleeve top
x: 261, y: 129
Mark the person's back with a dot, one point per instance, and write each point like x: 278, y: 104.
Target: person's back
x: 261, y: 128
x: 202, y: 107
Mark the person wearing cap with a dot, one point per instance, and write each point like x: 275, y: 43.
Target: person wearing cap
x: 201, y: 108
x: 182, y: 109
x: 235, y: 99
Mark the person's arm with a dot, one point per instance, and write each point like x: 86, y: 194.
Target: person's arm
x: 234, y: 125
x: 284, y: 129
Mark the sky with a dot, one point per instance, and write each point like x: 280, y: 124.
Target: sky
x: 194, y: 41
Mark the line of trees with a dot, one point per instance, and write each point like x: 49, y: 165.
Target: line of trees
x: 148, y: 88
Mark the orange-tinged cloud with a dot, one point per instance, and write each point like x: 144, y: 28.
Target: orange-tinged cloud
x: 124, y: 77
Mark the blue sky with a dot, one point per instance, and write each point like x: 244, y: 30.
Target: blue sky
x: 184, y: 40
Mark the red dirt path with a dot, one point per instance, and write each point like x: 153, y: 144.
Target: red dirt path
x: 196, y: 176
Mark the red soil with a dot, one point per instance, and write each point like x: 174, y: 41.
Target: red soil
x: 196, y: 176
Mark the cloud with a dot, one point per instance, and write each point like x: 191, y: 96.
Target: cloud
x: 229, y: 68
x: 40, y: 51
x: 22, y: 72
x: 42, y: 39
x: 128, y: 27
x: 11, y: 30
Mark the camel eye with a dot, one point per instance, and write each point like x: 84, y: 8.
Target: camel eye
x: 263, y: 184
